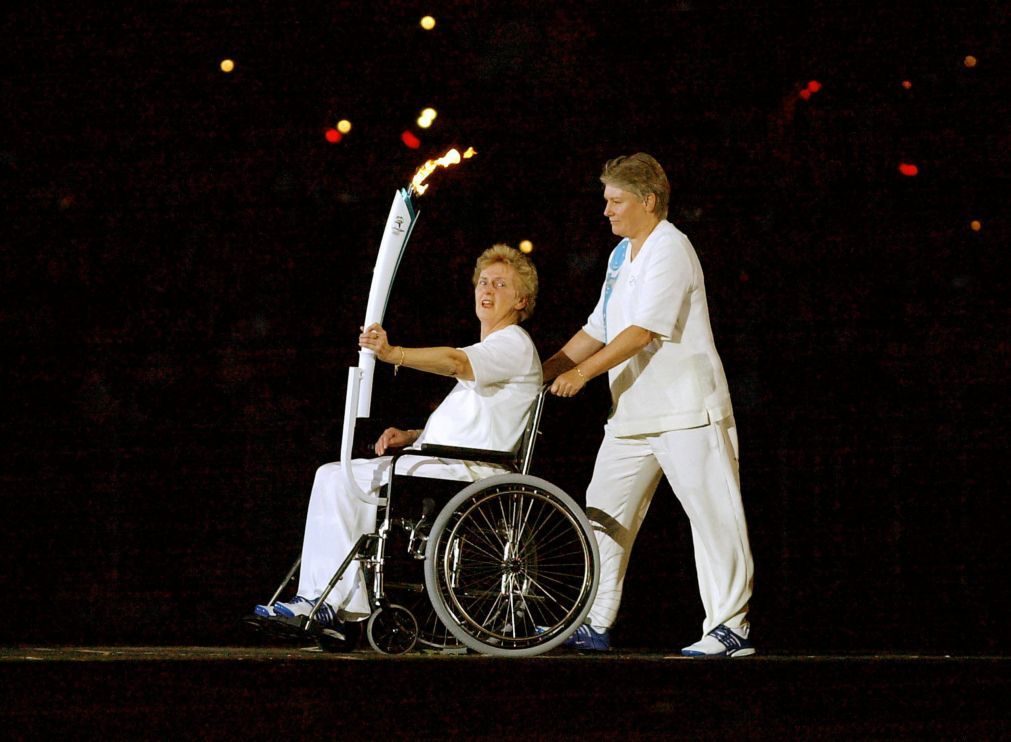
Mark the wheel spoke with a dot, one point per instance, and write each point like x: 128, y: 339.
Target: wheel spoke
x: 512, y: 565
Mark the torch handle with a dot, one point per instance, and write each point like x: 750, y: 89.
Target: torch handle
x: 348, y: 438
x: 367, y: 366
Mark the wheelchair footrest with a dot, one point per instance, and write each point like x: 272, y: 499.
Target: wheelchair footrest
x: 297, y: 628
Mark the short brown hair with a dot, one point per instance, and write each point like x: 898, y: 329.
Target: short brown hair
x: 526, y: 273
x: 642, y: 175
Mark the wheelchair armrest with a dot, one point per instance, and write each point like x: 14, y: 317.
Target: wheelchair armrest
x: 468, y: 454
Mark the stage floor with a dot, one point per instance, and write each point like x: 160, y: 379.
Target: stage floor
x: 311, y: 653
x: 258, y: 692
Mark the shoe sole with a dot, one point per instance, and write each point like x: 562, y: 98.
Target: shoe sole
x: 731, y: 655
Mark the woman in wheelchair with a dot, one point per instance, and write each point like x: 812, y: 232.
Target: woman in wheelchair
x: 498, y: 378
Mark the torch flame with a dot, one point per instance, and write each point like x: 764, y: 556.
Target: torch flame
x: 453, y: 157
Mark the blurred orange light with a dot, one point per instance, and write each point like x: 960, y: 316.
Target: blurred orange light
x: 333, y: 136
x: 975, y: 225
x: 969, y: 61
x: 907, y: 84
x: 227, y: 65
x: 908, y: 169
x: 526, y: 246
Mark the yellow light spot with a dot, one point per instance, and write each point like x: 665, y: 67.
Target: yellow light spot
x: 969, y: 61
x: 428, y: 23
x: 526, y: 246
x: 975, y: 225
x: 427, y: 117
x: 343, y: 126
x: 227, y: 65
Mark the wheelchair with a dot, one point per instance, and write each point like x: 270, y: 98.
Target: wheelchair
x: 508, y: 566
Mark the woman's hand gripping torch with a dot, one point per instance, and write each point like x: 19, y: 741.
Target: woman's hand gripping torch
x: 399, y: 225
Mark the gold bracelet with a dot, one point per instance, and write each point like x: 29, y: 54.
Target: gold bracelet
x: 581, y: 375
x: 401, y: 362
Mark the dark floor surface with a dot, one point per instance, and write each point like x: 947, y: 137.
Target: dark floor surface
x: 258, y: 692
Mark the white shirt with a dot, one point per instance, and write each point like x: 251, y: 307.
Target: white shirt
x: 490, y: 412
x: 677, y: 381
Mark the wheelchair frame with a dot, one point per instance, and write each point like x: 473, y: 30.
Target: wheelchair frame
x: 510, y: 564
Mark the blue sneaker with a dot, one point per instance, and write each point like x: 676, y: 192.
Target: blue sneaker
x: 588, y: 639
x: 267, y: 611
x: 722, y: 642
x: 299, y: 606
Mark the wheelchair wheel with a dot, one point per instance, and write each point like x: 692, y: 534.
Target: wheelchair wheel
x: 432, y: 632
x: 511, y: 566
x: 392, y: 629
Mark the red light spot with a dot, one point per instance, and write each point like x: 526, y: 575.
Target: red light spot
x: 410, y: 140
x: 908, y: 169
x: 333, y: 136
x: 814, y: 86
x: 805, y: 94
x: 907, y: 84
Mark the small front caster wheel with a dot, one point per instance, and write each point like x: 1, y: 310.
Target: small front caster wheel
x: 392, y: 630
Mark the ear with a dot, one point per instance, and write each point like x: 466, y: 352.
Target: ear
x: 520, y: 304
x: 650, y: 202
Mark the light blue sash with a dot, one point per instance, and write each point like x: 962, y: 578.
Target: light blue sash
x: 614, y: 264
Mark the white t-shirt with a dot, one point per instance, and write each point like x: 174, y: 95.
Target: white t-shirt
x: 490, y: 412
x: 677, y: 381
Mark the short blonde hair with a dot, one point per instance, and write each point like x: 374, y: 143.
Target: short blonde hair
x: 526, y: 273
x: 642, y: 175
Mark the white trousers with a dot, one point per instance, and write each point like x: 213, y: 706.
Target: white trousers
x: 701, y: 466
x: 337, y: 518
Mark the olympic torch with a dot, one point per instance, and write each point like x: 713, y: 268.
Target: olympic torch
x: 399, y: 225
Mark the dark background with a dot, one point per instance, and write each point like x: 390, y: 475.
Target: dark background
x: 186, y: 262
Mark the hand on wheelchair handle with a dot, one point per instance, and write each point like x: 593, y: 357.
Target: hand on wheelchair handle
x: 568, y: 384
